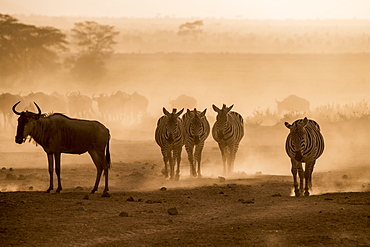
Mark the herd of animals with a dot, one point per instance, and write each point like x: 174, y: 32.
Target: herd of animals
x: 117, y: 106
x: 58, y: 134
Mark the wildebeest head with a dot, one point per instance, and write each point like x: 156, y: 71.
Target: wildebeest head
x: 298, y: 136
x: 172, y: 123
x: 25, y: 118
x: 196, y: 125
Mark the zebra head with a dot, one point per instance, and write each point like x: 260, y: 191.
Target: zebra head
x: 172, y: 126
x: 24, y: 122
x: 298, y: 136
x: 222, y: 119
x: 196, y: 124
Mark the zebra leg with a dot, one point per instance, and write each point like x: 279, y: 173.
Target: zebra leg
x: 297, y: 168
x: 166, y: 154
x: 233, y: 149
x: 228, y: 160
x: 198, y: 157
x: 301, y: 177
x: 177, y: 158
x: 51, y: 172
x: 223, y: 154
x: 190, y: 149
x: 172, y: 165
x: 308, y: 177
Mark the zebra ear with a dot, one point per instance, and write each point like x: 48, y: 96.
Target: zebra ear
x: 165, y: 111
x: 203, y: 113
x: 288, y: 125
x: 305, y: 121
x: 229, y: 108
x: 216, y: 109
x: 179, y: 113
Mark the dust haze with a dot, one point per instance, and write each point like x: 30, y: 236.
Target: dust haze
x: 250, y: 64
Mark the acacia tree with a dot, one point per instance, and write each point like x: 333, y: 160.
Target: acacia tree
x: 192, y: 29
x: 27, y: 49
x: 94, y: 43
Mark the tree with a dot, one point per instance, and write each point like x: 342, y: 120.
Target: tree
x: 94, y: 43
x: 26, y: 49
x: 191, y: 29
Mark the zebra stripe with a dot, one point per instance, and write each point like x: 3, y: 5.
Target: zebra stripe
x: 170, y: 135
x: 304, y: 144
x: 197, y: 130
x: 228, y: 131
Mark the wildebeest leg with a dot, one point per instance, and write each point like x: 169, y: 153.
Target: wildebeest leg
x: 198, y: 157
x: 106, y: 188
x: 105, y: 166
x: 308, y: 177
x: 102, y: 163
x: 223, y: 154
x: 190, y: 149
x: 51, y: 172
x: 57, y: 171
x: 297, y: 168
x: 99, y: 169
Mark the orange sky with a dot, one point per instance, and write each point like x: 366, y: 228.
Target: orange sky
x: 249, y: 9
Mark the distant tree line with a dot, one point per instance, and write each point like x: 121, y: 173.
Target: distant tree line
x: 27, y: 50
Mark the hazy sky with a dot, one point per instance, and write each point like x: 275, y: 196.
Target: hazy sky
x: 249, y: 9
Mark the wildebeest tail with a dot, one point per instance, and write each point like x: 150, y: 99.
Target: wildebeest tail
x: 107, y: 153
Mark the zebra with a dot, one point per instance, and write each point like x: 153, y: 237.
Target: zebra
x: 170, y: 136
x: 228, y: 131
x: 197, y: 130
x: 304, y: 144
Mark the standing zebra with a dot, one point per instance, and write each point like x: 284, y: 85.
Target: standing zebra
x: 196, y: 132
x: 304, y: 144
x: 228, y: 131
x: 169, y: 135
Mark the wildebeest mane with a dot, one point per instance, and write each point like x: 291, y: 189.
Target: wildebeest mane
x: 70, y: 130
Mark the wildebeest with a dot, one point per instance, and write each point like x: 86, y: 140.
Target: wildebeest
x: 103, y: 105
x: 52, y: 102
x: 293, y: 103
x: 112, y: 107
x: 79, y: 105
x: 136, y: 108
x: 59, y: 134
x: 6, y: 102
x: 184, y: 101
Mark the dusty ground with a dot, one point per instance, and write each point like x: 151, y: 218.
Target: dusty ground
x: 243, y: 210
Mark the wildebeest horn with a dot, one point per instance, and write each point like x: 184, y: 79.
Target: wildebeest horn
x: 13, y: 108
x: 38, y: 108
